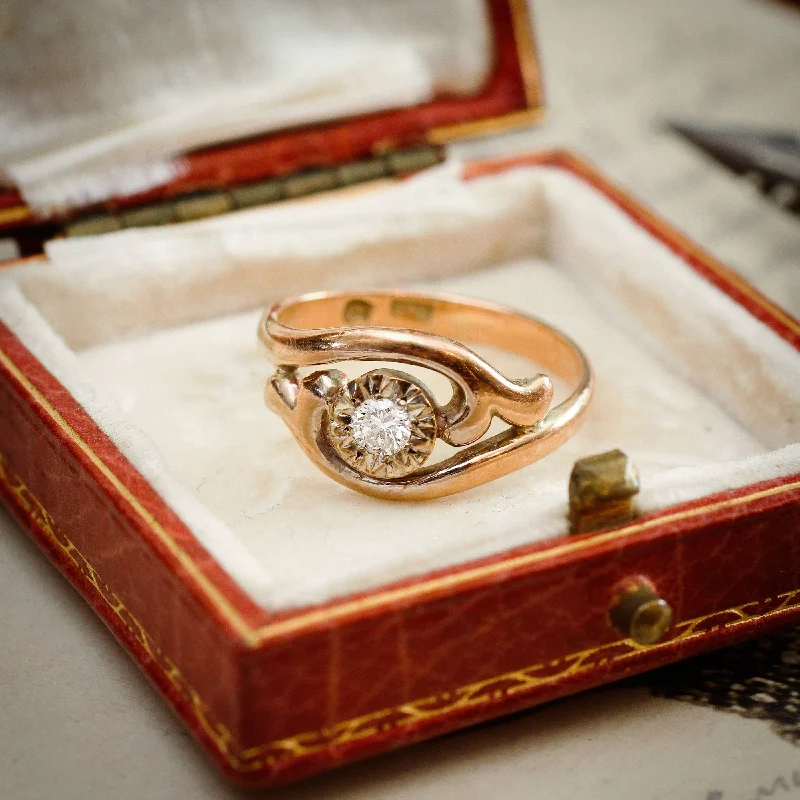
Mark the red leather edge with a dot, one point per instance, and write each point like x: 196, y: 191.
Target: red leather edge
x: 276, y: 698
x: 90, y: 535
x: 724, y: 278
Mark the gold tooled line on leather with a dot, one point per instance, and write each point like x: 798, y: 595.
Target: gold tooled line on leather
x: 44, y: 522
x: 12, y: 214
x: 528, y: 61
x: 500, y: 687
x: 485, y: 127
x: 522, y: 25
x: 473, y: 695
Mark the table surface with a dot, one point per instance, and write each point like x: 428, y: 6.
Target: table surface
x: 78, y: 720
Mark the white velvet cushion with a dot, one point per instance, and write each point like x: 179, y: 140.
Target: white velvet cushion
x: 162, y: 321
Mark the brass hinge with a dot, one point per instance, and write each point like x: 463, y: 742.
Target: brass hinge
x: 301, y: 184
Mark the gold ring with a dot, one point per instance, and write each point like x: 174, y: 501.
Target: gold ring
x: 375, y: 433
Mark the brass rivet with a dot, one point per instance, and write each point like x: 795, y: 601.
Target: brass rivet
x: 155, y: 214
x: 361, y: 171
x: 91, y: 226
x: 415, y: 159
x: 258, y: 193
x: 638, y: 612
x: 305, y: 183
x: 198, y: 206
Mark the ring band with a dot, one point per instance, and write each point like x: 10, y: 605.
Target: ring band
x: 374, y: 434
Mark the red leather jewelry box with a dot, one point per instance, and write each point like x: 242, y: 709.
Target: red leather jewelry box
x: 498, y: 609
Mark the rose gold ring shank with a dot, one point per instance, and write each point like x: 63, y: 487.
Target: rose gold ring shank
x: 374, y: 434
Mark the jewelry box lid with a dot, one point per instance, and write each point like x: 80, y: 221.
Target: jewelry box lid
x: 506, y: 94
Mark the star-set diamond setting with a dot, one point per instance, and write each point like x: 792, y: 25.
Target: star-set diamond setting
x: 383, y: 424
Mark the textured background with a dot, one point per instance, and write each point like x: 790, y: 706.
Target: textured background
x: 79, y: 721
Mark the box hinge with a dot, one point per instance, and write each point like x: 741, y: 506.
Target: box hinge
x: 200, y: 205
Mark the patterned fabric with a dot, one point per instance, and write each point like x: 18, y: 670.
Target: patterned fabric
x: 758, y: 680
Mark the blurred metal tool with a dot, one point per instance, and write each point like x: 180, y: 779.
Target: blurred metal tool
x: 770, y: 160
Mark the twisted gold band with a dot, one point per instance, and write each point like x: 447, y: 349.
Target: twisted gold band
x: 375, y: 433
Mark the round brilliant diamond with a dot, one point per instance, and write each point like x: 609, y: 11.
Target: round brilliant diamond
x: 380, y: 426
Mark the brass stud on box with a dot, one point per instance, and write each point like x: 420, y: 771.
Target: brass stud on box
x: 639, y: 613
x: 602, y: 489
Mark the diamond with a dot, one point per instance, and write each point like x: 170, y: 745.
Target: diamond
x: 381, y: 426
